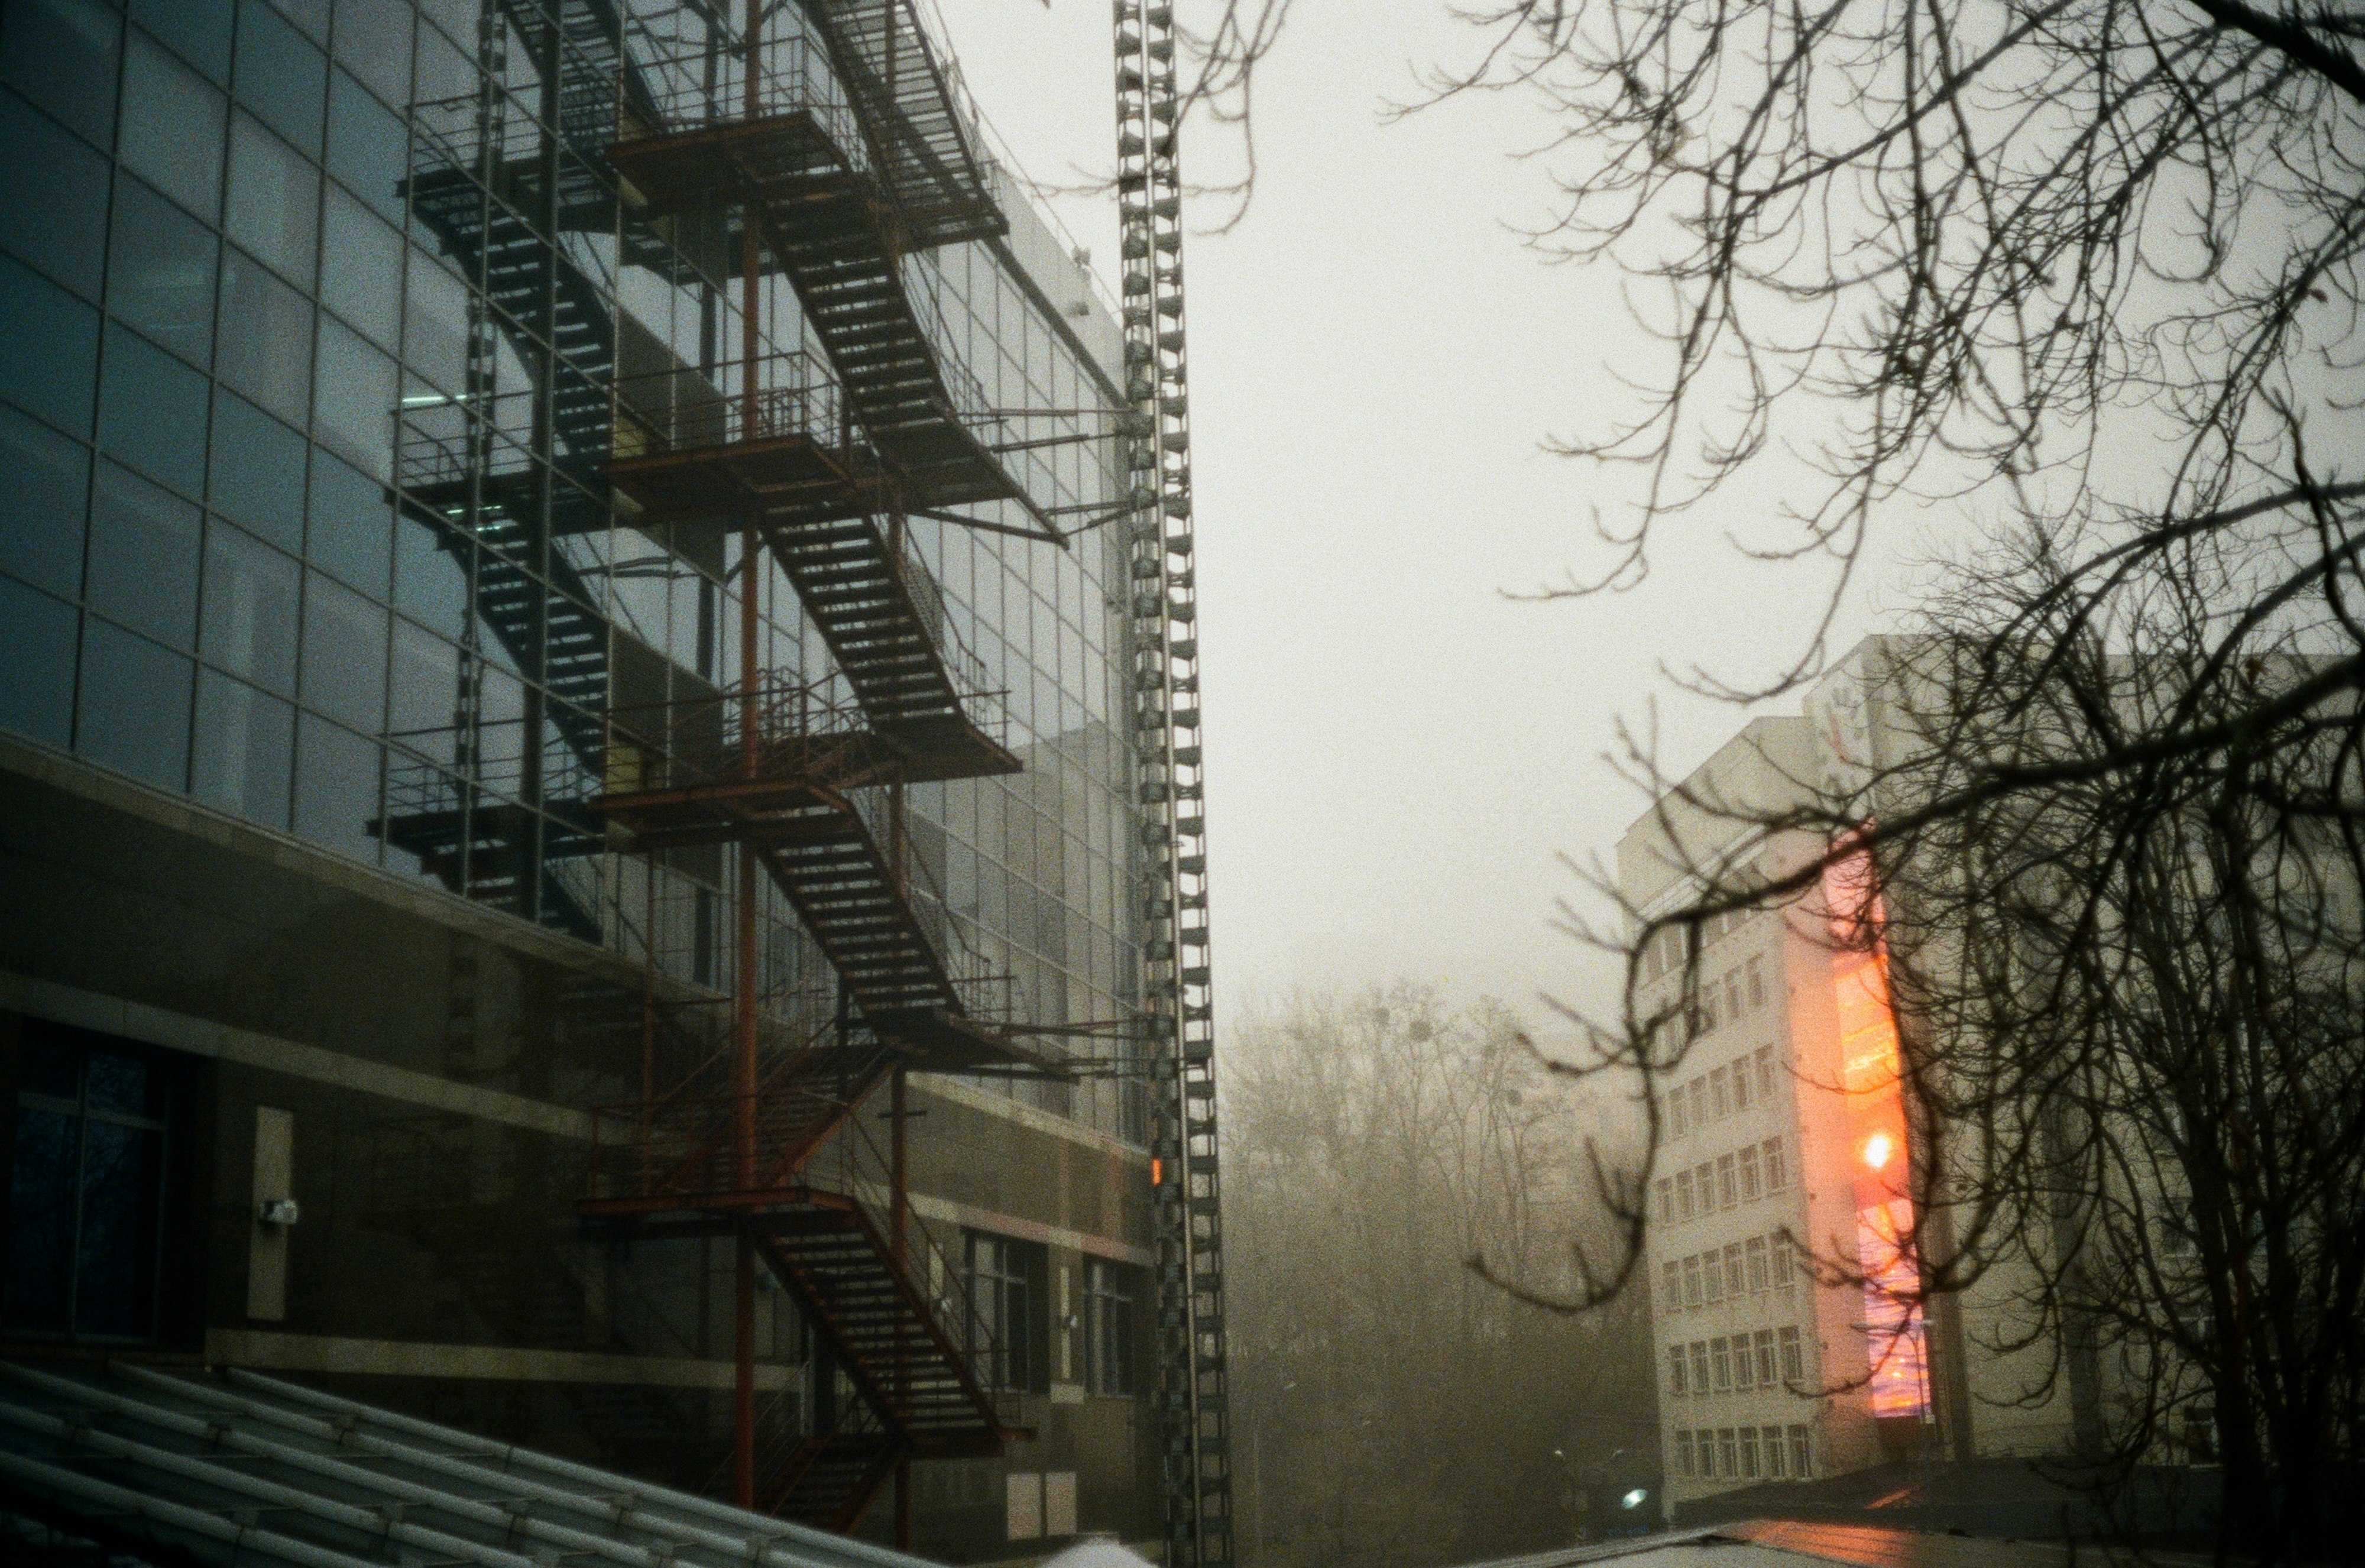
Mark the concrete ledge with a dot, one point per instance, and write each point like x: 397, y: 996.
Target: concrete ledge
x: 264, y: 1352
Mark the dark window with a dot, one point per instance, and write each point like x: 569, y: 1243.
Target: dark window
x: 151, y: 412
x: 135, y: 706
x: 425, y: 683
x: 37, y: 649
x: 374, y: 39
x: 344, y: 656
x: 250, y: 609
x: 280, y: 76
x: 197, y: 29
x: 52, y: 197
x: 1006, y: 1294
x: 86, y: 1189
x: 61, y: 54
x: 172, y: 129
x: 41, y: 504
x: 143, y: 557
x: 162, y: 279
x: 336, y: 788
x: 368, y: 149
x: 245, y: 746
x: 48, y: 356
x: 429, y: 586
x: 1111, y: 1315
x: 258, y: 471
x: 266, y: 338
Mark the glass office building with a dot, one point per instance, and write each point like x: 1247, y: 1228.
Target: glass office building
x: 323, y: 319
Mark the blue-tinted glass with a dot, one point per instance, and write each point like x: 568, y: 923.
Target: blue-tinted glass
x: 151, y: 412
x: 351, y: 525
x: 49, y: 1066
x: 197, y: 29
x: 312, y: 16
x: 37, y: 650
x: 361, y: 268
x: 61, y: 54
x: 52, y: 197
x: 344, y: 656
x: 143, y: 557
x: 352, y: 404
x: 429, y: 586
x: 115, y: 1283
x: 258, y: 471
x: 41, y: 1221
x: 244, y: 760
x: 368, y: 149
x: 280, y: 76
x: 41, y: 504
x: 173, y: 127
x: 113, y: 1082
x: 161, y: 276
x: 374, y: 42
x: 266, y: 338
x: 274, y: 211
x: 135, y: 706
x: 250, y: 609
x: 49, y: 355
x: 336, y: 788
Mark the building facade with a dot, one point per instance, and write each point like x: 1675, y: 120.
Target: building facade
x: 405, y: 489
x: 1785, y: 1132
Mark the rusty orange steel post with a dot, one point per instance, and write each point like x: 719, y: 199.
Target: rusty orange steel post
x: 743, y: 1066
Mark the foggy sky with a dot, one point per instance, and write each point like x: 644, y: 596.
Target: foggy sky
x: 1397, y: 753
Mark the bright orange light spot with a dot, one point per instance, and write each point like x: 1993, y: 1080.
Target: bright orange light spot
x: 1157, y: 1171
x: 1876, y: 1150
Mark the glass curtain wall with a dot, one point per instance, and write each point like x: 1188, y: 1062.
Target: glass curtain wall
x: 258, y: 284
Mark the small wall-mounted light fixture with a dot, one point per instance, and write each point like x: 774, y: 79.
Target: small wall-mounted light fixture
x: 276, y: 1210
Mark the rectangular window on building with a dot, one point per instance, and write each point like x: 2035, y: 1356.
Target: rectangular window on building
x: 1671, y: 1284
x: 1675, y: 1369
x: 1741, y: 1084
x: 1720, y: 1092
x: 1763, y: 1343
x: 1678, y: 1112
x: 1732, y: 993
x: 1802, y: 1453
x: 1704, y: 1179
x: 1683, y: 1194
x: 87, y: 1188
x: 1720, y: 1361
x: 1683, y: 1453
x: 1700, y: 1366
x: 1728, y: 1184
x: 1711, y: 1278
x: 1756, y: 977
x: 1704, y: 1442
x: 1764, y: 1072
x: 1736, y: 1280
x: 1692, y: 1280
x: 1005, y: 1281
x: 1777, y: 1175
x: 1742, y: 1382
x: 1110, y: 1294
x: 1667, y: 1191
x: 1777, y: 1465
x: 1727, y: 1451
x: 1751, y: 1182
x: 1749, y: 1453
x: 1794, y: 1365
x: 1753, y: 1250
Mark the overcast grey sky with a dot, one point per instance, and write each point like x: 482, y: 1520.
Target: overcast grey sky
x: 1397, y: 752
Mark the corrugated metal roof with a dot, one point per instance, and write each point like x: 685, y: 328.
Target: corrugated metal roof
x: 248, y: 1467
x: 1786, y: 1543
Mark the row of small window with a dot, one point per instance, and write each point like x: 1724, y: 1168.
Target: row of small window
x: 1759, y: 1168
x: 1746, y: 1453
x: 1738, y: 1269
x: 1739, y: 1362
x: 1719, y: 1092
x: 1665, y: 953
x: 1013, y: 1332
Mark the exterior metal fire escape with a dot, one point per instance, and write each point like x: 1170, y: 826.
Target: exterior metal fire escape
x: 1157, y: 459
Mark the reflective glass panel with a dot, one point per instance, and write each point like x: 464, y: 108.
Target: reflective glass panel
x: 143, y: 557
x: 361, y: 268
x: 61, y: 54
x: 336, y: 788
x: 151, y: 412
x: 250, y: 609
x: 135, y: 706
x: 368, y: 148
x: 274, y: 201
x: 173, y: 127
x: 281, y: 76
x: 351, y: 524
x: 245, y: 746
x: 344, y: 656
x: 258, y: 471
x: 373, y: 41
x: 162, y: 280
x: 41, y: 504
x: 37, y: 649
x: 266, y: 338
x: 52, y: 197
x: 48, y: 356
x: 41, y: 1220
x: 122, y: 1172
x: 352, y: 407
x: 198, y: 30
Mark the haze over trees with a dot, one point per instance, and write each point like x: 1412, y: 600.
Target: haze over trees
x: 1396, y: 1409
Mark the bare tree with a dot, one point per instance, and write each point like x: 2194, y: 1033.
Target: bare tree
x: 1402, y: 1412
